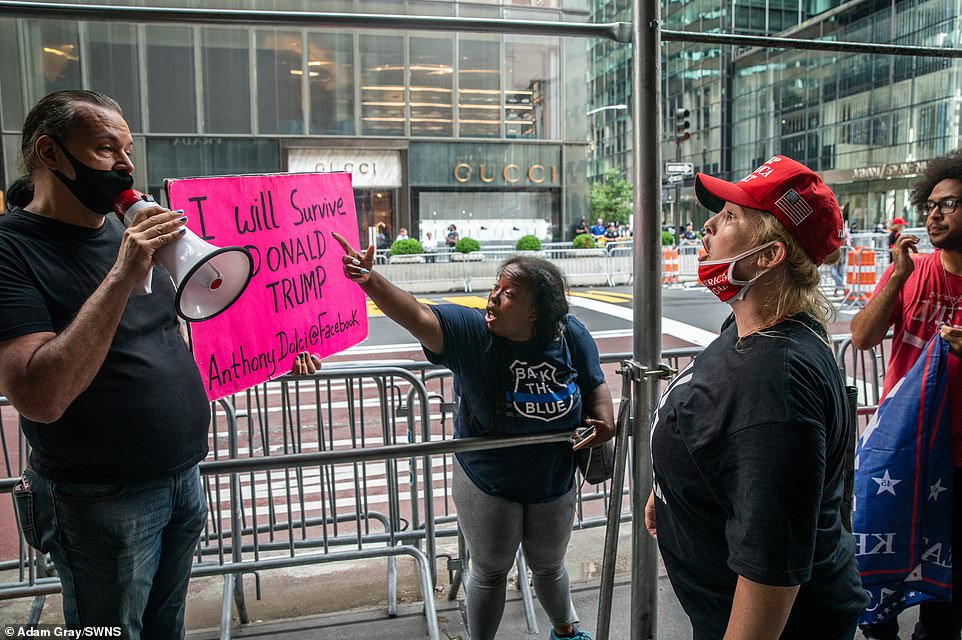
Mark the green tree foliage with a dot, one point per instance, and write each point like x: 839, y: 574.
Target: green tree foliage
x: 528, y: 243
x: 467, y: 245
x: 611, y: 199
x: 584, y: 241
x: 406, y: 246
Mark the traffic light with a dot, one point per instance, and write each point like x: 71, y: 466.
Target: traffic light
x: 681, y: 124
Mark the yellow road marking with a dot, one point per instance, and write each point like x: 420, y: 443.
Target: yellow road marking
x: 601, y: 297
x: 474, y: 302
x: 373, y: 311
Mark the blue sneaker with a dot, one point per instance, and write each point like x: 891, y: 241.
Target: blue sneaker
x: 577, y: 635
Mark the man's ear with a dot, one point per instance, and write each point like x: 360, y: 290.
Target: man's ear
x: 773, y: 256
x: 49, y: 153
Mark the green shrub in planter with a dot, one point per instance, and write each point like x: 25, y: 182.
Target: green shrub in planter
x: 584, y: 241
x: 667, y: 239
x: 528, y: 243
x: 406, y: 246
x: 467, y: 245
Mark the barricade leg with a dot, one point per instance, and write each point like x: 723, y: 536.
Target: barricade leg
x: 526, y: 598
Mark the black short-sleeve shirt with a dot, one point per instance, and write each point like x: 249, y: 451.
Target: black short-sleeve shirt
x: 145, y: 415
x: 546, y: 392
x: 747, y: 447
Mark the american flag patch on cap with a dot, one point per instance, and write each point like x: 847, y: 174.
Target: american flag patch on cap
x: 794, y: 206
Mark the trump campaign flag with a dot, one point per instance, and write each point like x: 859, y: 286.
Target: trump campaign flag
x: 903, y: 492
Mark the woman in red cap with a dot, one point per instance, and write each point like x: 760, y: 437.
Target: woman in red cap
x: 748, y: 442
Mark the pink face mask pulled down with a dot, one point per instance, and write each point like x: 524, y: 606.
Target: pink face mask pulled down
x: 718, y: 276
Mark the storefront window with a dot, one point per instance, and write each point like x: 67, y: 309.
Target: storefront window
x: 382, y: 86
x: 479, y: 88
x: 112, y: 51
x: 432, y: 82
x: 11, y: 98
x: 280, y: 76
x: 53, y: 57
x: 489, y: 216
x: 531, y: 88
x: 226, y: 66
x: 330, y: 71
x: 205, y: 156
x: 171, y: 100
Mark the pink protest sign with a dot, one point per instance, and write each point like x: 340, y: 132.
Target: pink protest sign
x: 298, y: 299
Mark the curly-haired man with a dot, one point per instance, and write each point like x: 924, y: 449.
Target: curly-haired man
x: 921, y: 294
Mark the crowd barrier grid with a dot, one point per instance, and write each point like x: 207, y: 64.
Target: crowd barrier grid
x: 348, y: 464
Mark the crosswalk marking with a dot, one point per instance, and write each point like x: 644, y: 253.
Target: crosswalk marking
x: 670, y: 327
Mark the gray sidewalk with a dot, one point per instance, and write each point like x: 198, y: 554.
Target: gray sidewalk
x: 672, y: 624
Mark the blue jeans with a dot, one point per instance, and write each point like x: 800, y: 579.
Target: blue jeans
x: 123, y: 551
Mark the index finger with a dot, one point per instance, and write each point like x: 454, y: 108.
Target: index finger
x: 345, y: 245
x: 907, y: 239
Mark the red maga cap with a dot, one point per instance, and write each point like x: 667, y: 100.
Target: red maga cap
x: 791, y: 192
x: 900, y: 221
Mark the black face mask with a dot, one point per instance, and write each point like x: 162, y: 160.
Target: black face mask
x: 95, y: 188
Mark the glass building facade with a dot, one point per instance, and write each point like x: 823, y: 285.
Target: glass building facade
x: 867, y: 123
x: 484, y: 131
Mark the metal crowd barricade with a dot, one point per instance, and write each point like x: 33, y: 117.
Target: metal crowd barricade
x: 353, y: 463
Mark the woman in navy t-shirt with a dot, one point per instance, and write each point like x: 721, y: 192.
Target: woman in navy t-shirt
x: 521, y: 366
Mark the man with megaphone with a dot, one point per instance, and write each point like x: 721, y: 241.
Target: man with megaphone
x: 109, y: 396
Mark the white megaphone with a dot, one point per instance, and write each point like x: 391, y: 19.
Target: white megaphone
x: 208, y: 279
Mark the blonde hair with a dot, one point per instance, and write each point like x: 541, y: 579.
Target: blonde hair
x: 797, y: 284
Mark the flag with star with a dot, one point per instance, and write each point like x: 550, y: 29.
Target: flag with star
x: 903, y: 492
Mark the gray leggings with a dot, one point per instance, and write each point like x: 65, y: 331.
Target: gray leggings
x: 493, y: 527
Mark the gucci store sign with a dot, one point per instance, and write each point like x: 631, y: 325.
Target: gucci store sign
x: 368, y: 167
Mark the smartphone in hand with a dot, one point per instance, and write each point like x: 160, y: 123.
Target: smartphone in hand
x: 585, y: 436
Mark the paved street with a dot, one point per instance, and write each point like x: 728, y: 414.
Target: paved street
x: 691, y: 316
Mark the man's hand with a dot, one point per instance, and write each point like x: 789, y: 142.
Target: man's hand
x: 650, y: 516
x: 901, y: 256
x: 357, y: 267
x: 151, y: 229
x: 953, y: 335
x: 306, y: 364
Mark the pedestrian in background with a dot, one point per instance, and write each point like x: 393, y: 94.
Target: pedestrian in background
x: 451, y: 240
x: 839, y: 268
x: 579, y: 228
x: 109, y: 397
x: 894, y: 231
x: 918, y: 296
x: 521, y: 366
x: 748, y: 442
x: 430, y: 247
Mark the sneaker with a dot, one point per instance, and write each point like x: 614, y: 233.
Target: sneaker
x: 577, y: 635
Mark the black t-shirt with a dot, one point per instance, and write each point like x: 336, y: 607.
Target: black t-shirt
x: 747, y: 446
x: 546, y: 394
x: 145, y: 414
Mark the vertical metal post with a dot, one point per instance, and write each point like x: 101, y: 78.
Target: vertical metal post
x: 645, y: 104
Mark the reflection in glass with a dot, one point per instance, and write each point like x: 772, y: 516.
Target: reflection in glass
x: 382, y: 85
x: 226, y: 66
x: 53, y: 55
x: 432, y: 81
x: 530, y: 96
x: 479, y: 88
x: 279, y: 80
x: 112, y: 52
x: 171, y: 102
x: 330, y: 71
